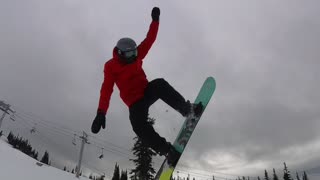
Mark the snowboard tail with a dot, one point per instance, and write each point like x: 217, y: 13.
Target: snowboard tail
x: 166, y: 170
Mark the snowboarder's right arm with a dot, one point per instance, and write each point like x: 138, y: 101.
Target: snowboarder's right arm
x: 106, y: 89
x: 105, y: 94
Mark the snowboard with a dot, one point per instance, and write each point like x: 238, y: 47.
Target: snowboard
x: 204, y: 96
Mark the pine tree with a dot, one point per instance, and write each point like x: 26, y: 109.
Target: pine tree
x: 116, y: 173
x: 124, y: 175
x: 33, y: 153
x: 258, y: 178
x: 266, y: 177
x: 305, y: 177
x: 13, y: 141
x: 45, y: 158
x: 286, y: 173
x: 297, y: 175
x: 36, y: 155
x: 143, y: 162
x: 133, y: 176
x: 1, y: 133
x: 65, y: 168
x: 10, y: 137
x: 275, y: 177
x: 102, y: 177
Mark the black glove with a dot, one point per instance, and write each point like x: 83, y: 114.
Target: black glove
x: 155, y: 14
x: 98, y: 122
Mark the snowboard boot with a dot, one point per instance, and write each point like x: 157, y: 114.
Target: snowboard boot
x: 193, y: 110
x: 163, y: 151
x: 173, y: 156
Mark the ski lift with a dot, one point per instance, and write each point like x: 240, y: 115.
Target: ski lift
x: 74, y: 140
x: 101, y: 156
x: 12, y: 117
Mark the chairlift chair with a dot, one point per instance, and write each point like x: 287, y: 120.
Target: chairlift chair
x: 101, y: 156
x: 33, y: 130
x: 74, y: 140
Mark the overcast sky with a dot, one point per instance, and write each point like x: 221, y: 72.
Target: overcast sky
x: 263, y: 55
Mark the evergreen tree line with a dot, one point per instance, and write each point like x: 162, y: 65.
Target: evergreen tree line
x: 73, y: 171
x: 91, y: 176
x: 286, y: 175
x: 24, y: 146
x: 117, y: 175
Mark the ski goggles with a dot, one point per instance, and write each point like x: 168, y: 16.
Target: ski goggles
x: 129, y: 54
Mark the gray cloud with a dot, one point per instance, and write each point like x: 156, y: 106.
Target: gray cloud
x: 263, y: 55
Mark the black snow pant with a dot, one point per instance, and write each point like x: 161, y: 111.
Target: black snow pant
x: 156, y: 89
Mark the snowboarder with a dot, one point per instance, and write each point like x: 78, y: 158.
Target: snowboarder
x: 125, y: 70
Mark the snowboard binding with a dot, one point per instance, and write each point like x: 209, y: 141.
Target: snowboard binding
x: 195, y: 110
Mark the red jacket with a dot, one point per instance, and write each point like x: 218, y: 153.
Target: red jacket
x: 130, y: 78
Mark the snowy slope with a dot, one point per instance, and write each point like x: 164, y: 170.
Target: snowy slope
x: 15, y: 165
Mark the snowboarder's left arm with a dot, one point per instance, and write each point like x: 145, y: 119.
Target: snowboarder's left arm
x: 146, y: 44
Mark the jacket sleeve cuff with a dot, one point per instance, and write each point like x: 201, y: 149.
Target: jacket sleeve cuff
x: 102, y: 111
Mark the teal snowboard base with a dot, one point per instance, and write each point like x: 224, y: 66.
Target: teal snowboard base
x: 204, y: 96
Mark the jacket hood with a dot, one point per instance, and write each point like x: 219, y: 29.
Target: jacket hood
x: 115, y: 54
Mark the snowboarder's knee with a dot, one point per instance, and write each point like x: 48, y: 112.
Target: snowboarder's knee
x: 159, y: 82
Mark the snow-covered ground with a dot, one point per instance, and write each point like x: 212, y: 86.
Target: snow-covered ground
x: 15, y: 165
